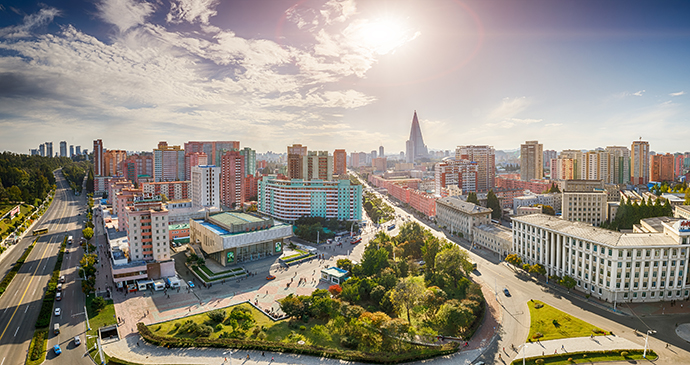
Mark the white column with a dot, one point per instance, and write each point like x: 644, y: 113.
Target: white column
x: 559, y: 254
x: 552, y: 252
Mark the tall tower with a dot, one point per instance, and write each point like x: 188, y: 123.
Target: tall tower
x: 98, y: 160
x: 295, y: 162
x: 381, y: 152
x: 531, y: 164
x: 339, y: 162
x: 485, y: 157
x: 232, y: 188
x: 415, y: 145
x: 639, y: 162
x: 63, y: 148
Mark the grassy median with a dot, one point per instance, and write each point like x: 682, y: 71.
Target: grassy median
x: 549, y: 323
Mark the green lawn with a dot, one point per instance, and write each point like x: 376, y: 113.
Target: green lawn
x: 588, y: 358
x: 566, y: 326
x: 264, y: 327
x: 106, y: 317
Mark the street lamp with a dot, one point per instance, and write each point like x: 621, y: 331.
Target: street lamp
x: 644, y: 354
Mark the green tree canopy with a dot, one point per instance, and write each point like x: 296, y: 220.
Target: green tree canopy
x: 493, y: 203
x: 408, y: 293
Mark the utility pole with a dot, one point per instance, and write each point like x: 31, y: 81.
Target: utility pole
x: 646, y: 339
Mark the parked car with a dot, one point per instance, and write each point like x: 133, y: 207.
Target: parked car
x: 57, y: 349
x: 62, y: 278
x: 190, y: 283
x: 58, y: 311
x: 77, y: 341
x: 270, y: 277
x: 506, y: 292
x: 59, y: 287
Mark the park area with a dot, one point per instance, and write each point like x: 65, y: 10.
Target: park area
x: 549, y: 323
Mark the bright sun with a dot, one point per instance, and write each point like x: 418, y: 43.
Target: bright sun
x: 382, y: 36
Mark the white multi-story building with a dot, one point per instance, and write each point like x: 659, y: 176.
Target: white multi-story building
x: 205, y: 186
x: 460, y: 216
x: 494, y: 237
x: 291, y: 199
x: 585, y: 206
x: 610, y: 265
x: 554, y: 200
x: 147, y: 230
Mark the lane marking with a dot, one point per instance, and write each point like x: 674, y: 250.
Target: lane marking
x: 27, y: 308
x: 15, y: 332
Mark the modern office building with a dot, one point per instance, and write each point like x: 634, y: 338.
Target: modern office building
x: 485, y: 158
x: 585, y: 206
x: 415, y: 147
x: 339, y: 162
x: 98, y: 158
x: 381, y: 152
x: 234, y: 237
x: 662, y: 167
x: 639, y: 162
x: 460, y: 217
x: 63, y: 149
x: 644, y: 266
x: 531, y: 160
x: 295, y: 161
x: 289, y: 200
x: 206, y: 186
x: 168, y: 163
x: 232, y: 188
x: 213, y: 149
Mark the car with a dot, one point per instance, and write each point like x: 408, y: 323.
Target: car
x: 506, y: 292
x: 77, y: 341
x: 479, y: 363
x: 57, y: 349
x: 59, y: 287
x: 58, y: 311
x: 190, y: 283
x: 58, y: 296
x: 270, y: 277
x: 62, y: 278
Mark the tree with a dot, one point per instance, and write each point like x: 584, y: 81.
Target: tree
x: 537, y: 269
x: 453, y: 316
x: 291, y: 306
x: 87, y: 233
x: 374, y: 260
x: 554, y: 188
x: 493, y: 203
x: 568, y: 282
x: 472, y: 198
x: 687, y: 196
x: 335, y: 290
x: 514, y: 260
x: 344, y: 264
x: 98, y: 304
x: 408, y: 293
x: 432, y: 246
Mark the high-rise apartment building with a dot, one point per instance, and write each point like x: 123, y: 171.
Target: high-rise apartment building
x: 63, y: 149
x: 192, y: 159
x: 595, y: 166
x: 531, y: 160
x: 71, y: 150
x: 678, y: 164
x: 339, y: 162
x: 381, y: 152
x: 249, y: 161
x: 232, y: 189
x: 373, y: 154
x: 354, y: 159
x: 379, y: 164
x: 168, y: 163
x: 662, y: 167
x: 98, y: 158
x: 317, y: 165
x: 485, y: 158
x: 147, y: 233
x: 173, y: 190
x: 415, y: 147
x: 113, y: 162
x: 619, y: 164
x: 639, y: 162
x: 49, y: 149
x: 42, y: 149
x: 460, y: 173
x: 77, y: 150
x: 548, y: 156
x: 295, y: 161
x: 213, y: 149
x: 205, y: 186
x: 563, y: 168
x: 138, y: 167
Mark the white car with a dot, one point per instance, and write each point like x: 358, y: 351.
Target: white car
x: 58, y: 311
x: 77, y: 341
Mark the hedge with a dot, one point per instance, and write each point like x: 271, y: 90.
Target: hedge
x: 318, y: 351
x: 584, y: 356
x: 46, y: 312
x: 18, y: 265
x: 37, y: 349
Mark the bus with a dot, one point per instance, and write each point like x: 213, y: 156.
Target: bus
x: 40, y: 231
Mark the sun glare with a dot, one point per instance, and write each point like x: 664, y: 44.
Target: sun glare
x: 382, y: 36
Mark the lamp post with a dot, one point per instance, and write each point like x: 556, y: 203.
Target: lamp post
x: 523, y: 353
x: 646, y: 339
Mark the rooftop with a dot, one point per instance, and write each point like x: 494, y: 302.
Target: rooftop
x: 178, y: 226
x: 497, y: 229
x: 463, y: 206
x: 586, y: 231
x: 231, y: 218
x: 335, y: 271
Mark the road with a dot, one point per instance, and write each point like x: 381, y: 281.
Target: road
x: 21, y: 303
x: 515, y: 314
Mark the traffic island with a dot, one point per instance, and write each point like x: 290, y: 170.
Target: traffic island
x: 587, y: 357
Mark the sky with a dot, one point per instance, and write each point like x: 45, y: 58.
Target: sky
x: 333, y: 74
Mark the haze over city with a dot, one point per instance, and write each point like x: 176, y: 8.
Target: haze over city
x: 345, y: 74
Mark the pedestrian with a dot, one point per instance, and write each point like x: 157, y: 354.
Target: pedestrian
x: 137, y: 343
x: 271, y: 358
x: 262, y: 353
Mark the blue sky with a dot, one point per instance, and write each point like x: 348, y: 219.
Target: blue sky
x: 345, y: 74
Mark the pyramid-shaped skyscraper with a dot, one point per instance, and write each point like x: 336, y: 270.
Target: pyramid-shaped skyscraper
x: 415, y: 147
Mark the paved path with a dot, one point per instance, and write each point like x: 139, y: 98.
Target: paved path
x: 144, y: 353
x: 577, y: 344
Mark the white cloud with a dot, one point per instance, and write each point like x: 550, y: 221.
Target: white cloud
x: 639, y: 93
x: 553, y: 124
x: 338, y: 10
x: 677, y: 94
x: 192, y: 10
x: 43, y: 17
x: 124, y: 14
x: 509, y: 108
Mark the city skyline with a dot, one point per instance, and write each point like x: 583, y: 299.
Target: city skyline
x: 345, y: 74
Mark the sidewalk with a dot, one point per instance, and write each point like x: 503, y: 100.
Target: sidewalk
x: 577, y: 344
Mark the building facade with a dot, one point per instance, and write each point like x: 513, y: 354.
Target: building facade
x: 168, y: 163
x: 113, y: 162
x: 613, y: 266
x: 173, y: 190
x: 485, y: 158
x: 339, y: 162
x: 531, y: 160
x: 585, y: 206
x: 249, y: 161
x: 147, y: 233
x: 494, y: 237
x: 192, y: 159
x: 295, y: 161
x: 205, y: 186
x: 317, y: 165
x: 98, y: 160
x: 619, y: 165
x: 461, y: 217
x: 662, y: 168
x: 232, y: 188
x: 213, y: 149
x: 639, y: 162
x: 460, y: 173
x: 289, y: 200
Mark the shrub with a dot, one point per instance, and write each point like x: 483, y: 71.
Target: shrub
x: 539, y: 361
x: 348, y: 342
x: 555, y: 322
x: 570, y: 359
x: 204, y: 330
x: 98, y: 304
x: 219, y: 327
x: 538, y: 305
x: 624, y: 353
x: 538, y: 335
x: 302, y: 328
x: 216, y: 315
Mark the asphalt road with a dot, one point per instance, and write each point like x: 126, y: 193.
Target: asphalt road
x: 21, y: 303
